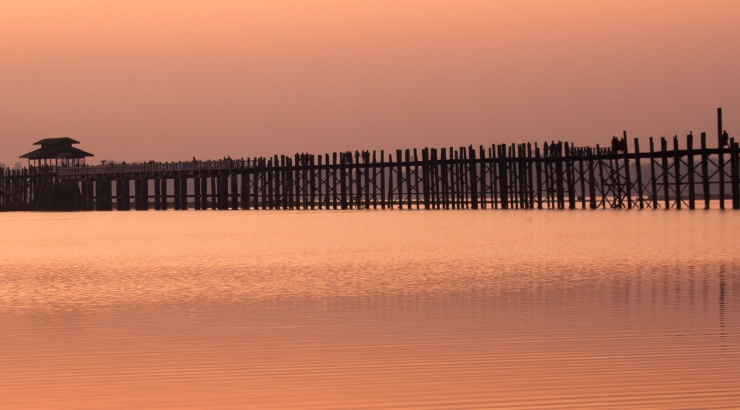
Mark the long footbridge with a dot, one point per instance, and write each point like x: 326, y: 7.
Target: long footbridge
x: 517, y: 176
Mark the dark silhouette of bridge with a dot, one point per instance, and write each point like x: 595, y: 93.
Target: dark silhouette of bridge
x: 524, y: 176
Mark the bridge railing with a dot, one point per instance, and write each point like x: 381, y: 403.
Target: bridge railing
x: 150, y: 167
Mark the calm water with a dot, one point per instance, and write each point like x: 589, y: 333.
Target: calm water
x: 396, y: 309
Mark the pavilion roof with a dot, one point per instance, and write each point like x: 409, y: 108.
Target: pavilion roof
x: 57, y: 148
x: 56, y: 141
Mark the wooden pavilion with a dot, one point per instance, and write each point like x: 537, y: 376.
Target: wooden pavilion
x: 56, y: 152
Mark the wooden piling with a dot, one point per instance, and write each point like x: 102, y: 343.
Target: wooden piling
x: 382, y: 179
x: 559, y: 176
x: 163, y: 186
x: 691, y: 170
x: 664, y: 168
x: 425, y: 176
x: 735, y: 174
x: 234, y: 190
x: 627, y: 176
x: 214, y: 192
x: 569, y: 177
x: 677, y: 171
x: 705, y: 170
x: 244, y: 190
x: 343, y: 179
x: 653, y: 182
x: 503, y: 177
x: 177, y: 195
x: 203, y: 192
x: 720, y: 160
x: 602, y: 181
x: 538, y: 166
x: 638, y: 171
x: 196, y: 193
x: 473, y: 178
x: 530, y: 178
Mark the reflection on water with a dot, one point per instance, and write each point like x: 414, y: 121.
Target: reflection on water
x: 396, y: 309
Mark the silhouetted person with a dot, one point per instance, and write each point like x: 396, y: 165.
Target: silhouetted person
x: 616, y: 145
x: 725, y: 139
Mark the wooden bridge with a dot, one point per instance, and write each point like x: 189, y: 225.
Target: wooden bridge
x: 518, y: 176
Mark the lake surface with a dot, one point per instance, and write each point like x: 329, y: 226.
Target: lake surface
x: 370, y: 309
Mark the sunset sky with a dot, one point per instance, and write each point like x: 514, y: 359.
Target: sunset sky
x: 172, y: 79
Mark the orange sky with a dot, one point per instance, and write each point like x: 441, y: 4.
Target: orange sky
x: 172, y: 79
